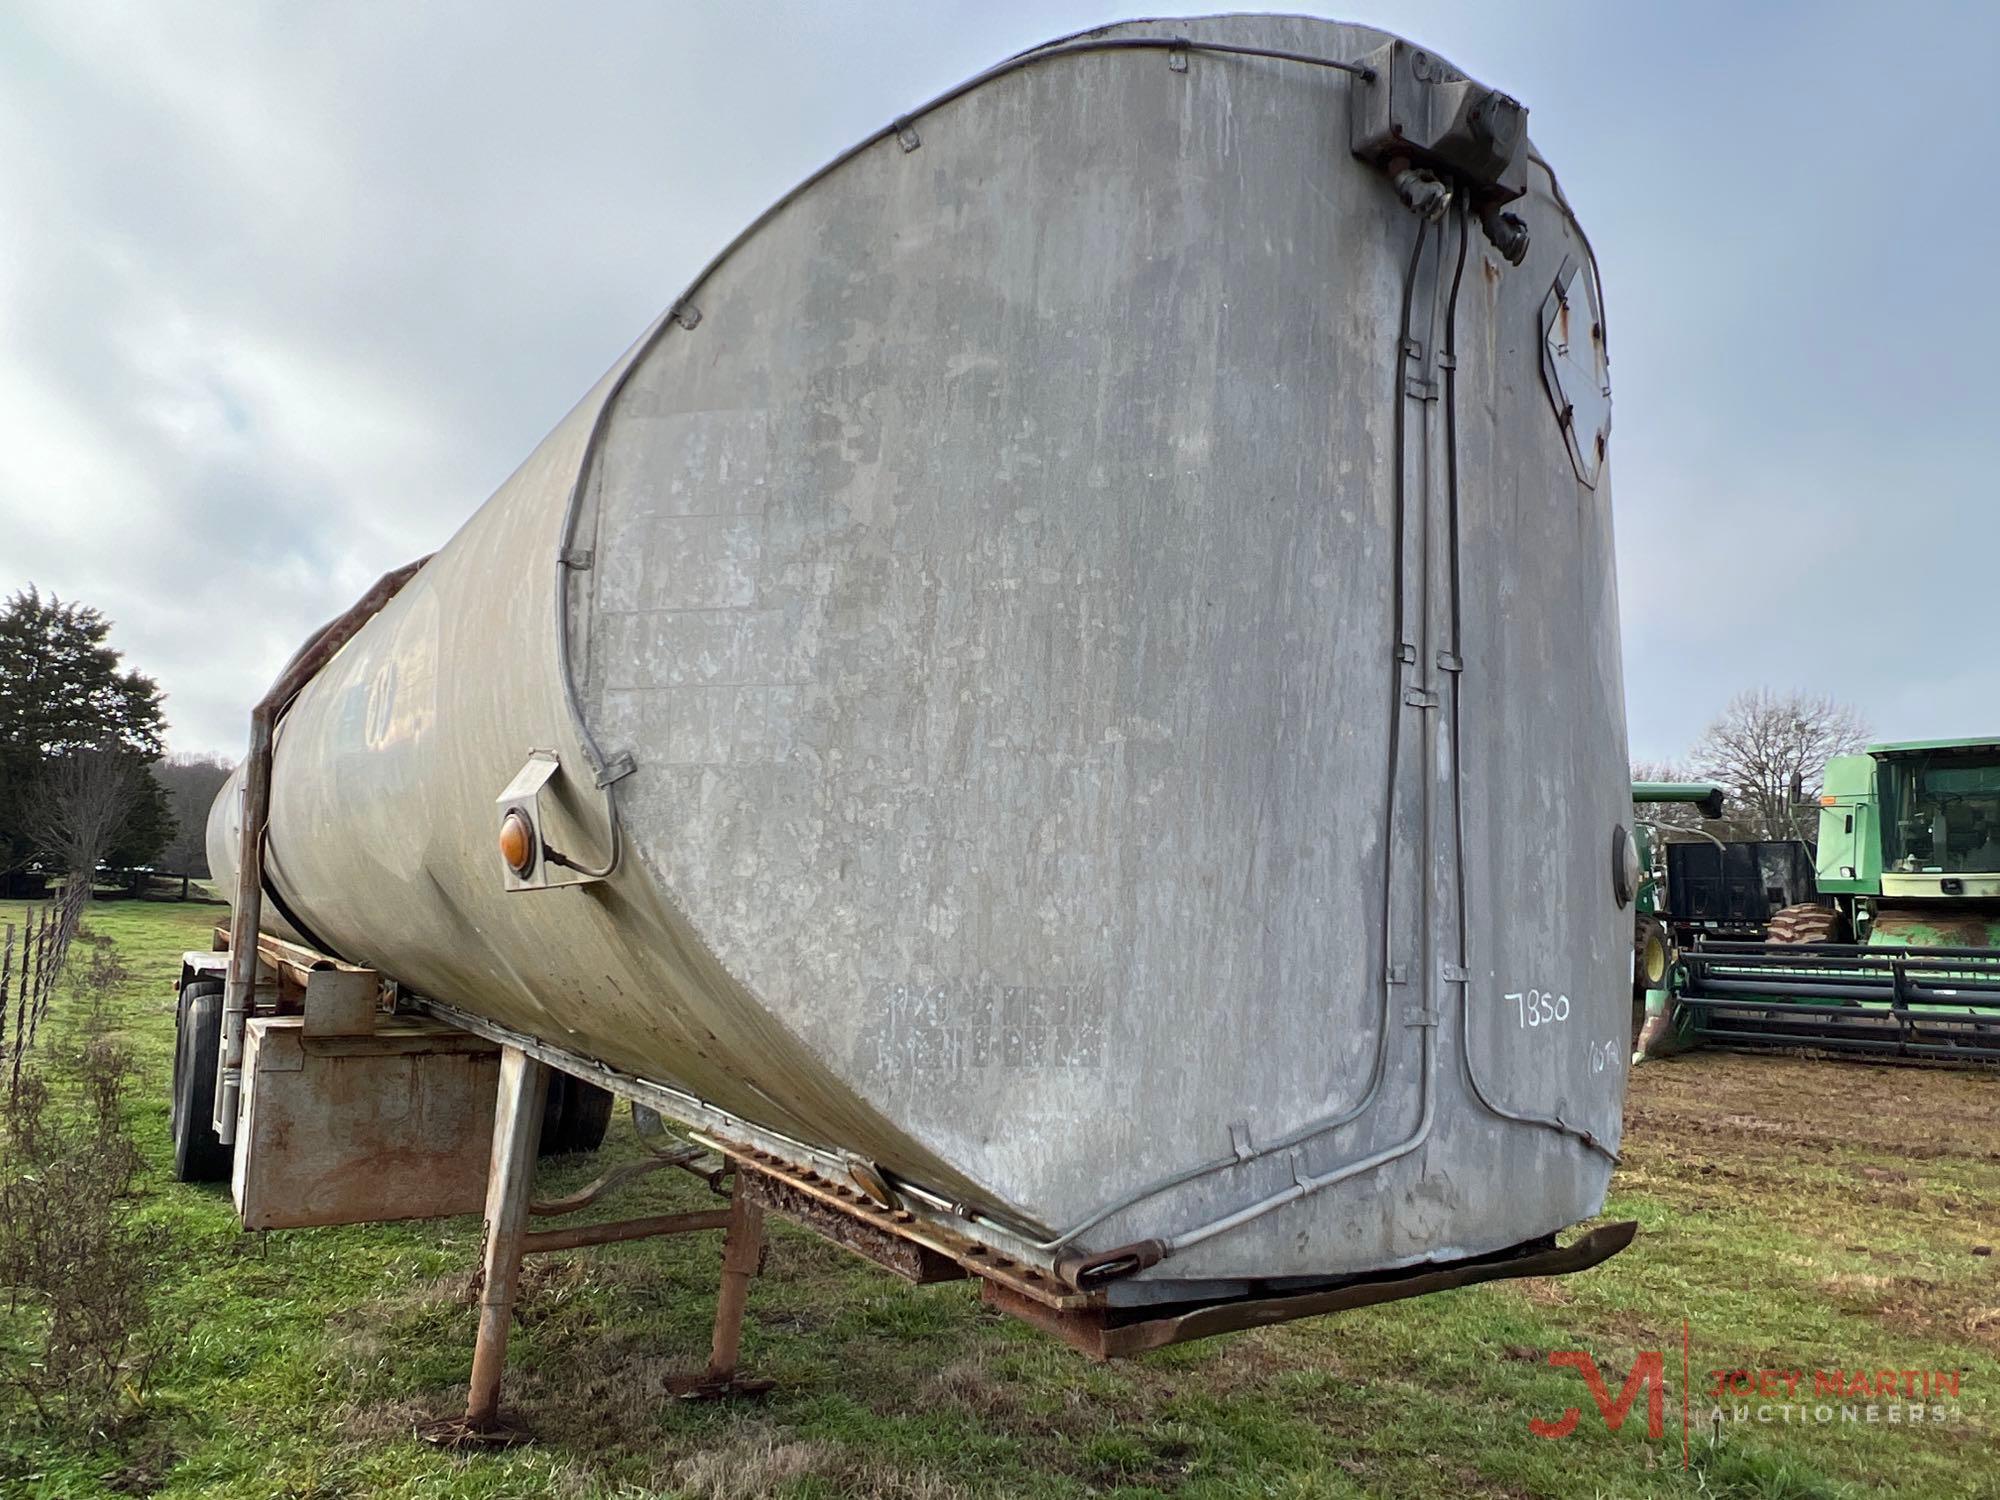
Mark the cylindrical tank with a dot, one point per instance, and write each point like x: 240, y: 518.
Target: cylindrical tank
x: 1097, y: 620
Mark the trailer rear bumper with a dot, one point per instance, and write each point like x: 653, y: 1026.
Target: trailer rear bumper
x: 1104, y: 1333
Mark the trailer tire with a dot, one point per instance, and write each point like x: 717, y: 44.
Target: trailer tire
x: 187, y: 993
x: 575, y: 1117
x: 590, y: 1115
x: 198, y: 1155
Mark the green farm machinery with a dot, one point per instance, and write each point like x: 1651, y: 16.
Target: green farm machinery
x: 1883, y: 941
x: 1652, y: 937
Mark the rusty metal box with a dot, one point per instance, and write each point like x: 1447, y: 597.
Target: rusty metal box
x: 397, y: 1124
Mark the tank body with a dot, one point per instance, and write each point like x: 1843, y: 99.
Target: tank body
x: 1068, y: 770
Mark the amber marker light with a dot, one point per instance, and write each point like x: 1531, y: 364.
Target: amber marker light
x: 517, y: 842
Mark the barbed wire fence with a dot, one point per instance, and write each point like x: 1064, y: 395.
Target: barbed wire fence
x: 79, y: 1268
x: 31, y: 961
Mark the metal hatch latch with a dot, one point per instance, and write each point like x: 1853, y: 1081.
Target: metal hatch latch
x: 528, y: 861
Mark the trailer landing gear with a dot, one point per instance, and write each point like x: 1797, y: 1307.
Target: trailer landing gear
x: 517, y: 1130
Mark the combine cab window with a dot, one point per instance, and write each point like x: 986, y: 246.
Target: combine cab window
x: 1941, y: 814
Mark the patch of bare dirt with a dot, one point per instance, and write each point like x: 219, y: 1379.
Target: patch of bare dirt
x: 1886, y: 1164
x: 1752, y: 1105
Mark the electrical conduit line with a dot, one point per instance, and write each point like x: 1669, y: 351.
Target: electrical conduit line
x: 1303, y: 1186
x: 1425, y: 1021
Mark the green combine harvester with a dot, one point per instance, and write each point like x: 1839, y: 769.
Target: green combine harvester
x: 1652, y: 938
x: 1897, y: 949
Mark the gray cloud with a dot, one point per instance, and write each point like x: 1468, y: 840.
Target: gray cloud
x: 286, y: 291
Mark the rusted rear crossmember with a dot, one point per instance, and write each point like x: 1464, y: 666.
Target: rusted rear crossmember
x: 1116, y: 1333
x: 1083, y: 1321
x: 891, y: 1238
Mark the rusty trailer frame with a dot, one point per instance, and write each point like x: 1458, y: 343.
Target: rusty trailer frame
x: 917, y: 1242
x: 923, y: 1242
x: 924, y: 1251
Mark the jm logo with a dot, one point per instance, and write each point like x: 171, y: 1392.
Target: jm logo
x: 1649, y: 1374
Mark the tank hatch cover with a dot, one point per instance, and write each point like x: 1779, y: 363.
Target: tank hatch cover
x: 1575, y: 367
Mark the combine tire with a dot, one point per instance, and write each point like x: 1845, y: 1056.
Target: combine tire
x: 198, y: 1155
x: 1652, y: 958
x: 1652, y: 955
x: 1796, y: 925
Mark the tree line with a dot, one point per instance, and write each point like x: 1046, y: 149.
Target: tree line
x: 85, y: 785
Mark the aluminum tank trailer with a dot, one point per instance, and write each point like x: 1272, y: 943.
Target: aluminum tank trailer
x: 1060, y: 710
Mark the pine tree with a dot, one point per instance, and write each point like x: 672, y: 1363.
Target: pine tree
x: 64, y: 690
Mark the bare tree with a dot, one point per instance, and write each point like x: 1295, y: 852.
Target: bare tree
x: 1766, y: 744
x: 79, y: 804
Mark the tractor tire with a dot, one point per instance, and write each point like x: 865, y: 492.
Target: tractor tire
x: 1652, y: 961
x: 198, y: 1155
x: 575, y: 1116
x: 1652, y: 955
x: 1797, y: 925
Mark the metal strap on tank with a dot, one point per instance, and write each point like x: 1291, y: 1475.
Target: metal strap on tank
x: 246, y: 915
x: 298, y: 924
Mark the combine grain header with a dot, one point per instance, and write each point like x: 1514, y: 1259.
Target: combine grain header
x: 1060, y: 713
x: 1886, y: 943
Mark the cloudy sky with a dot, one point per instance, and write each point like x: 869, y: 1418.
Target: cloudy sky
x: 286, y: 290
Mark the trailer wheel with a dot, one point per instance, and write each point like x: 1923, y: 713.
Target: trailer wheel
x: 198, y: 1155
x: 590, y: 1115
x: 575, y: 1116
x: 187, y: 993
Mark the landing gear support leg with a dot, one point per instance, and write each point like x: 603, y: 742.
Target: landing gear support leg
x: 517, y: 1131
x: 742, y: 1256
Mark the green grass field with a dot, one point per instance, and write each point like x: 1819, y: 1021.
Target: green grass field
x: 1795, y: 1215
